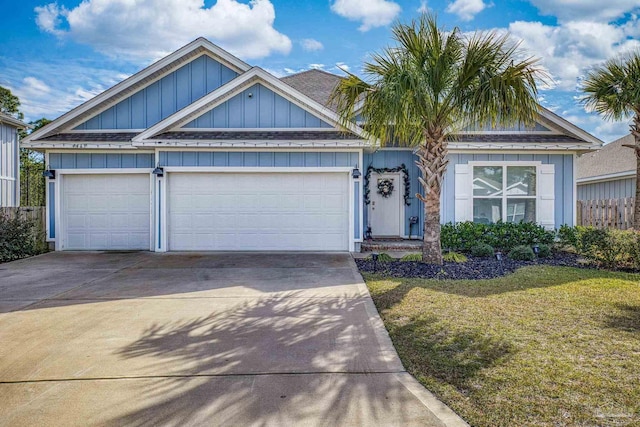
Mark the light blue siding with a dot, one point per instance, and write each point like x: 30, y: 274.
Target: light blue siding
x: 563, y: 187
x: 8, y: 166
x: 257, y: 107
x: 258, y: 159
x: 100, y: 160
x: 163, y: 97
x: 52, y: 210
x: 615, y: 189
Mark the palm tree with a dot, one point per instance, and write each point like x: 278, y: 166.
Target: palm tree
x: 430, y: 85
x: 613, y: 90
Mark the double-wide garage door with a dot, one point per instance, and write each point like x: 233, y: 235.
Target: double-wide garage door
x: 258, y: 211
x: 209, y: 211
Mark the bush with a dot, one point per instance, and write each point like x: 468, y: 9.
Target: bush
x: 505, y: 236
x: 384, y: 257
x: 482, y: 250
x: 19, y: 238
x: 544, y: 251
x: 522, y: 253
x: 606, y: 247
x: 412, y: 257
x: 454, y: 257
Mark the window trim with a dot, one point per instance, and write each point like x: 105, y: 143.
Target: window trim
x: 505, y: 196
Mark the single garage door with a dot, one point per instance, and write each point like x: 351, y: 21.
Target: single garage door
x: 258, y: 211
x: 106, y: 212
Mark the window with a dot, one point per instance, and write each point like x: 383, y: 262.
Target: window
x: 504, y: 193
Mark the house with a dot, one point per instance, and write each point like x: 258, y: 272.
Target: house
x: 9, y: 160
x: 609, y: 173
x: 201, y: 151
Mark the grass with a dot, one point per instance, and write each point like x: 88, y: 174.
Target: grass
x: 545, y: 346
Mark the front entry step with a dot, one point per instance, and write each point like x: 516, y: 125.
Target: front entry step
x: 378, y: 245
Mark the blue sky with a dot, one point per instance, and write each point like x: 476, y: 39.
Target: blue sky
x: 55, y: 56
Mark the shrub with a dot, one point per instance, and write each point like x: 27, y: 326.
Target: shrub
x: 454, y: 257
x: 522, y: 253
x: 463, y: 236
x: 544, y: 251
x: 412, y: 257
x: 482, y: 250
x: 19, y: 238
x: 606, y: 247
x: 384, y: 257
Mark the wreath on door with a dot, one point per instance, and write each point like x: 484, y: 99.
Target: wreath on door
x: 385, y: 187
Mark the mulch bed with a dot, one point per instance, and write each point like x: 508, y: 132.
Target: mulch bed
x: 473, y: 269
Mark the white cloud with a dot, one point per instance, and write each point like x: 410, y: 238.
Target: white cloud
x: 423, y: 7
x: 466, y: 9
x: 46, y: 93
x: 311, y: 45
x: 148, y: 29
x: 316, y: 66
x: 49, y: 18
x: 372, y: 13
x: 591, y: 10
x: 568, y: 50
x: 342, y: 66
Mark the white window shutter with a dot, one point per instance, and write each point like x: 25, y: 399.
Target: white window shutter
x: 546, y: 196
x: 463, y: 189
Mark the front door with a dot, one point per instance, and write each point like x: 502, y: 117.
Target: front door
x: 386, y: 209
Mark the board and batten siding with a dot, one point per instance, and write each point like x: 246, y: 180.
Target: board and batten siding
x: 9, y: 166
x: 100, y: 160
x: 257, y: 107
x: 163, y: 97
x: 563, y: 182
x: 258, y: 159
x: 614, y: 189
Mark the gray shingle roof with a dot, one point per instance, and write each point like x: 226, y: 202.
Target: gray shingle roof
x: 612, y: 158
x: 316, y: 84
x: 515, y: 138
x: 258, y: 135
x: 91, y: 137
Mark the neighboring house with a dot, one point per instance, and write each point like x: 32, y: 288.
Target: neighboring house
x: 201, y: 151
x: 609, y: 173
x: 9, y: 161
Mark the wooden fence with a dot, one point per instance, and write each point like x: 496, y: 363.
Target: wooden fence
x: 35, y: 213
x: 609, y: 213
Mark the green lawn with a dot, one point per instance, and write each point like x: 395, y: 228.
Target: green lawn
x: 545, y: 346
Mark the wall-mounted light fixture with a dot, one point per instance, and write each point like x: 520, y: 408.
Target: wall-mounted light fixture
x: 158, y: 171
x: 355, y: 174
x: 49, y: 173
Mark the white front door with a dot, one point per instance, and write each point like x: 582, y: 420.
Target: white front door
x: 258, y: 211
x: 386, y: 207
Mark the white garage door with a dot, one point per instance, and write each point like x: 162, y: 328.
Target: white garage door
x: 106, y: 212
x: 258, y: 211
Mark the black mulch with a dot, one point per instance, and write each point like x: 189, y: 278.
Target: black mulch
x: 474, y: 268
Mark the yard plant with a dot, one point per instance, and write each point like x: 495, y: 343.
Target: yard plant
x: 545, y: 346
x: 431, y: 84
x: 612, y: 90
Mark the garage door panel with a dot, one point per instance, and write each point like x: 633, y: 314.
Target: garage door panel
x: 103, y: 212
x: 263, y: 211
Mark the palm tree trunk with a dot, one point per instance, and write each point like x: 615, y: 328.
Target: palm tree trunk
x: 432, y: 162
x: 635, y: 130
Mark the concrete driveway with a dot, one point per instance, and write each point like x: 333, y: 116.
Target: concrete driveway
x: 187, y: 339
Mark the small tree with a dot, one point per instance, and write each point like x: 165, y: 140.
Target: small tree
x: 613, y: 91
x: 9, y: 103
x: 430, y: 85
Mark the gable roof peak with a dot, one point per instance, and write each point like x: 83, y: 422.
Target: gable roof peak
x: 136, y: 82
